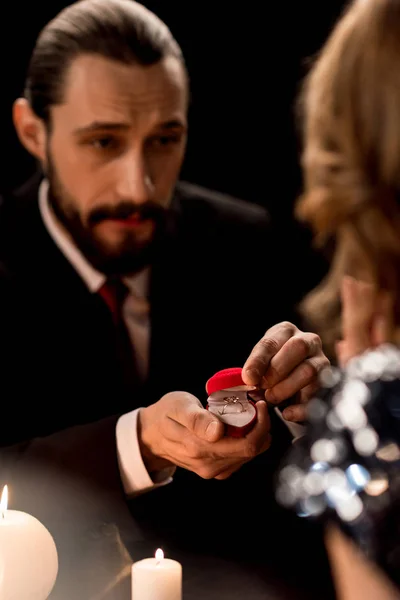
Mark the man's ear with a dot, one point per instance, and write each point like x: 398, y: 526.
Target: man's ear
x: 30, y: 129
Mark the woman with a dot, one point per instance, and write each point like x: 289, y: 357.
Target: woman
x: 351, y: 157
x: 351, y: 162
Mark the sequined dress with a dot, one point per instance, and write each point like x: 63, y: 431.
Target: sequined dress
x: 347, y: 467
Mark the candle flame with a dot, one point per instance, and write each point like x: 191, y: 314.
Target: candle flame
x: 159, y: 555
x: 4, y: 501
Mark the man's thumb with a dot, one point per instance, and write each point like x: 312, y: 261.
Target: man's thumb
x: 204, y: 424
x: 189, y: 412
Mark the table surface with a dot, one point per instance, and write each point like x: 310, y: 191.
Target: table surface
x: 233, y: 542
x: 207, y: 574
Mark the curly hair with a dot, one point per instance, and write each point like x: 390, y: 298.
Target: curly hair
x: 350, y: 114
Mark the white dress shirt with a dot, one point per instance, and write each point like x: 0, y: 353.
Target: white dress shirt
x: 136, y: 311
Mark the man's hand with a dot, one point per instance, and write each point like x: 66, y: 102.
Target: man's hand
x: 286, y: 362
x: 177, y: 430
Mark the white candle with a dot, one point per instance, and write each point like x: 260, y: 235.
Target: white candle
x: 157, y: 578
x: 28, y: 556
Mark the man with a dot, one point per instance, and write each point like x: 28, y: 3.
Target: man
x: 120, y: 285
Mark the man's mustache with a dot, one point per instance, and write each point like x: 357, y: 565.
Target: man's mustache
x: 124, y: 210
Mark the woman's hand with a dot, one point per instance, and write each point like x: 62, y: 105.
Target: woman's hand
x: 367, y: 318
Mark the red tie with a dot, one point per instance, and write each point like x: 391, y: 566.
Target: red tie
x: 114, y: 293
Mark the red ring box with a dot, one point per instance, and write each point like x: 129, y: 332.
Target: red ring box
x: 227, y: 397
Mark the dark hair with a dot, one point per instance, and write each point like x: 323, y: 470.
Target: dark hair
x: 121, y: 30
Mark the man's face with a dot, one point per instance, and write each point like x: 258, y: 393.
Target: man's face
x: 114, y: 154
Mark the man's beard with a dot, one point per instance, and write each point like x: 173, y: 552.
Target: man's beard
x: 123, y: 259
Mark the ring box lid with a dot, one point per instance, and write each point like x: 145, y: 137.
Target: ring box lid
x: 227, y: 379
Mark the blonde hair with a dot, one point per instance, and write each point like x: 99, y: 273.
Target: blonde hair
x: 351, y: 157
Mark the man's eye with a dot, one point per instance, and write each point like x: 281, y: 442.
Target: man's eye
x: 166, y: 140
x: 103, y: 143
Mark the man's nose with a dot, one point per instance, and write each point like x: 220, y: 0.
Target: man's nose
x: 134, y: 180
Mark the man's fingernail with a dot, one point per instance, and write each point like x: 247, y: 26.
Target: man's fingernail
x: 212, y: 430
x: 253, y: 373
x: 287, y: 414
x: 268, y: 381
x: 270, y: 396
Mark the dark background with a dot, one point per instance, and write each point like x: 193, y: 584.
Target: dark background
x: 245, y: 60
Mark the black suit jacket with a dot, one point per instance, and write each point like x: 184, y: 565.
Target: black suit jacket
x: 218, y: 282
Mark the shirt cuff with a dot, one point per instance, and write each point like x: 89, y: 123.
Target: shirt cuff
x: 295, y: 429
x: 135, y: 478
